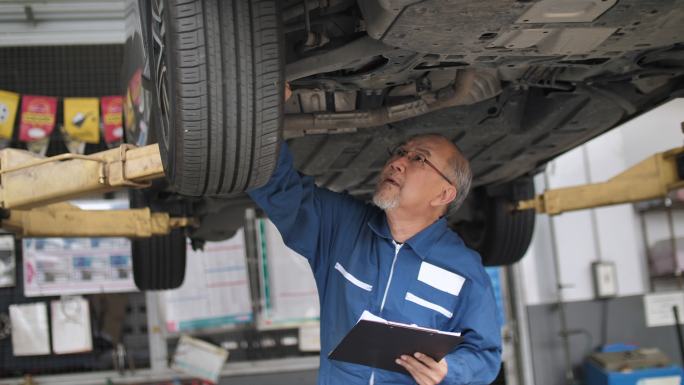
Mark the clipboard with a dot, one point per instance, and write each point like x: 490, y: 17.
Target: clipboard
x: 377, y: 344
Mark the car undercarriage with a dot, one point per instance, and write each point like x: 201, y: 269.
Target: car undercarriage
x: 512, y: 83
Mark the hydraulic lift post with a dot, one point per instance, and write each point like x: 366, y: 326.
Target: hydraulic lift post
x: 33, y: 191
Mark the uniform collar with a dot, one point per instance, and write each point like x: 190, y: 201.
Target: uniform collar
x: 421, y: 243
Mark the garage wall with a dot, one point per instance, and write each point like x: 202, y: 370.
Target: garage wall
x: 624, y: 316
x: 609, y: 233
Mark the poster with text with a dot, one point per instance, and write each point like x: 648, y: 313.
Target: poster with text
x: 287, y: 283
x: 9, y: 104
x: 112, y: 118
x: 82, y: 119
x: 67, y: 266
x: 38, y: 115
x: 215, y: 292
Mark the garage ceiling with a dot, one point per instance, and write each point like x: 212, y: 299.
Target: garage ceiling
x: 33, y: 23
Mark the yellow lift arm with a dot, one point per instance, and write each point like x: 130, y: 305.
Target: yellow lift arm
x: 654, y: 177
x: 31, y: 187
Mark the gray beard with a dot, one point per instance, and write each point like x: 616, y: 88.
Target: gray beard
x: 385, y: 203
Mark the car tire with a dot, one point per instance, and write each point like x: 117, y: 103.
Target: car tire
x: 219, y: 78
x: 158, y: 261
x: 502, y: 235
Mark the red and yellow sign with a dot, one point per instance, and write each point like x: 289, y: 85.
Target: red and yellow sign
x: 38, y: 115
x: 135, y: 87
x: 112, y: 119
x: 9, y: 103
x: 82, y: 119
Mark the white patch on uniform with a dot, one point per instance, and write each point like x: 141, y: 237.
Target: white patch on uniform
x: 440, y: 279
x: 352, y: 279
x: 425, y: 303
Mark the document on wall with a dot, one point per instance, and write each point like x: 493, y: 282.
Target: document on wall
x: 8, y: 269
x: 215, y: 292
x: 29, y: 329
x: 68, y: 266
x: 310, y: 337
x: 658, y: 308
x: 71, y: 332
x: 286, y: 302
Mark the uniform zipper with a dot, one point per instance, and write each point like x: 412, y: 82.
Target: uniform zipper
x: 397, y: 247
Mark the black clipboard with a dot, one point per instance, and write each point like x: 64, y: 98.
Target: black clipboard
x: 378, y: 344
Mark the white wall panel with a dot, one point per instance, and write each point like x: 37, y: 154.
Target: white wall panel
x: 31, y: 23
x: 616, y: 229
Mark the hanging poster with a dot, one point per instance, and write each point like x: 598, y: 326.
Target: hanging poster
x: 38, y: 115
x: 9, y: 103
x: 61, y: 266
x: 215, y: 292
x: 286, y: 302
x: 82, y: 119
x: 112, y: 118
x: 66, y: 266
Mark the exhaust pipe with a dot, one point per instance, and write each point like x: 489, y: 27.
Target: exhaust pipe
x: 470, y: 86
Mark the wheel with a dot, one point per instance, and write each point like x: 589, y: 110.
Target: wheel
x: 158, y: 261
x: 500, y: 234
x: 218, y: 73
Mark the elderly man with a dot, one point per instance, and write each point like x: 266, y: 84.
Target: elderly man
x: 396, y: 258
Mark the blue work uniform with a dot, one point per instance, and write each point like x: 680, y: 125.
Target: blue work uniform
x: 432, y: 280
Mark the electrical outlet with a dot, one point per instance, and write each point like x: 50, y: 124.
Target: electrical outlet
x: 605, y: 279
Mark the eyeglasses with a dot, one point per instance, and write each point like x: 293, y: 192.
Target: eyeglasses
x: 416, y: 157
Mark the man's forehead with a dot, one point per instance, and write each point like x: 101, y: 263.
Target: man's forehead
x: 430, y: 144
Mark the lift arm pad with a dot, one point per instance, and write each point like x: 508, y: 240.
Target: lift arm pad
x: 28, y: 180
x: 66, y: 220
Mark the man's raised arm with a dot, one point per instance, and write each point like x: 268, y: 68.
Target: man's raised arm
x: 310, y: 219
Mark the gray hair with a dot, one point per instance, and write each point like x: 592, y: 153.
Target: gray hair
x: 459, y: 172
x: 463, y: 178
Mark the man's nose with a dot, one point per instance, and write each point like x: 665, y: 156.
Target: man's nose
x: 398, y: 164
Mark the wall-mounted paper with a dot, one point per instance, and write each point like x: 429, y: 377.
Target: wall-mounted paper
x: 215, y: 292
x: 70, y: 266
x: 286, y: 302
x: 8, y: 269
x: 71, y: 331
x: 29, y: 329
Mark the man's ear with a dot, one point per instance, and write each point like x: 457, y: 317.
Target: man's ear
x: 446, y: 196
x: 450, y: 193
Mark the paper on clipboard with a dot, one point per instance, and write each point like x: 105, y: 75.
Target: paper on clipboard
x: 71, y: 331
x: 377, y: 343
x: 368, y: 316
x: 29, y: 329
